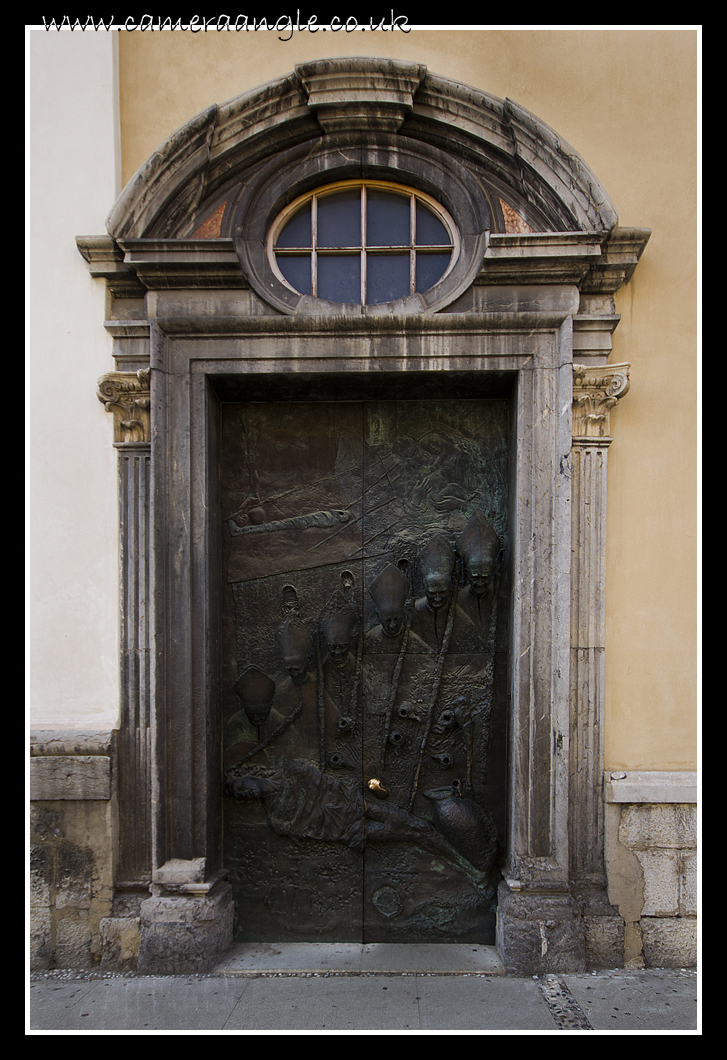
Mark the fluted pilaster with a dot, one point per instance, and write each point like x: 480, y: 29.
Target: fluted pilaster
x: 127, y: 396
x: 596, y: 391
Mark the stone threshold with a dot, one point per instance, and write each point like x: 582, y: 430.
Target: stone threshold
x: 250, y: 958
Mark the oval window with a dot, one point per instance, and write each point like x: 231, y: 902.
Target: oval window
x: 363, y: 243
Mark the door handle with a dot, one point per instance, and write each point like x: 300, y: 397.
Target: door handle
x: 376, y: 787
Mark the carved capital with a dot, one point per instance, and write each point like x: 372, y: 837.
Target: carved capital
x: 596, y: 390
x: 127, y: 396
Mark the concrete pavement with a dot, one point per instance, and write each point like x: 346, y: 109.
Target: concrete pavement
x: 359, y: 989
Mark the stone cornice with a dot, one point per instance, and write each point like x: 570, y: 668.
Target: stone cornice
x: 593, y: 261
x: 597, y: 262
x: 127, y: 396
x: 106, y: 261
x: 596, y: 390
x: 651, y: 786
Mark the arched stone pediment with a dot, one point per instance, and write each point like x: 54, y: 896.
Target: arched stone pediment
x: 521, y: 164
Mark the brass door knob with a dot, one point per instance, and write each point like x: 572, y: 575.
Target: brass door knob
x: 379, y: 791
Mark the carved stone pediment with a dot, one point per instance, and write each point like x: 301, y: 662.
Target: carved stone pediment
x: 127, y: 396
x: 596, y: 390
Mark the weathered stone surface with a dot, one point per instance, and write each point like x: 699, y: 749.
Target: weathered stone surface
x: 652, y: 867
x: 653, y: 786
x: 126, y: 395
x: 74, y: 871
x: 360, y: 93
x: 588, y: 464
x: 604, y: 941
x: 41, y: 943
x: 44, y: 742
x: 120, y: 938
x: 73, y: 940
x: 645, y: 826
x: 669, y: 942
x: 689, y: 866
x: 180, y: 935
x: 539, y: 933
x: 633, y: 945
x: 80, y: 777
x: 374, y: 94
x: 71, y: 881
x: 180, y: 870
x: 597, y: 390
x: 40, y: 874
x: 661, y: 882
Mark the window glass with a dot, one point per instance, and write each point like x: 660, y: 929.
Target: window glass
x: 430, y: 269
x: 387, y: 278
x: 398, y: 242
x: 387, y: 219
x: 430, y: 229
x: 297, y: 232
x: 339, y: 219
x: 339, y: 278
x: 296, y: 271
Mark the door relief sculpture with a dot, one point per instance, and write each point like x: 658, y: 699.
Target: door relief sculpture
x: 364, y: 660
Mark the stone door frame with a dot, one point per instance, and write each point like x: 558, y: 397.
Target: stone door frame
x: 190, y: 373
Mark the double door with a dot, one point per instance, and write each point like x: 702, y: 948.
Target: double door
x: 363, y: 668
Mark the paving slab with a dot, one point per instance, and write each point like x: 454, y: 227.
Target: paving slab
x: 141, y: 1004
x: 341, y: 958
x: 324, y: 1002
x: 52, y: 1001
x: 650, y: 1000
x: 328, y: 1003
x: 253, y: 957
x: 477, y: 1003
x: 441, y: 958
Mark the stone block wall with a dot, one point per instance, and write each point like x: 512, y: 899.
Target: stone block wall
x: 72, y: 825
x: 651, y: 859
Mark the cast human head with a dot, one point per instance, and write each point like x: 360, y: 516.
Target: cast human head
x: 479, y: 547
x: 389, y: 591
x: 436, y: 563
x: 295, y: 643
x: 256, y: 690
x: 338, y: 623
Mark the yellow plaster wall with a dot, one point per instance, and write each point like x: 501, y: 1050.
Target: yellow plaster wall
x: 626, y: 100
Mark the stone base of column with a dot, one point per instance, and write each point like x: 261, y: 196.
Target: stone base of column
x: 603, y: 930
x: 539, y: 933
x: 185, y: 934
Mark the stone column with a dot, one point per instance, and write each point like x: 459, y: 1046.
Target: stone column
x: 596, y: 391
x: 539, y: 928
x: 127, y: 396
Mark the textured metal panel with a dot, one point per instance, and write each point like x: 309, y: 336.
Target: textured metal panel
x: 363, y: 704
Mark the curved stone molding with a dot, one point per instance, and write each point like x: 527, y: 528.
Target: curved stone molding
x: 596, y: 390
x: 407, y: 161
x: 127, y: 396
x: 525, y: 158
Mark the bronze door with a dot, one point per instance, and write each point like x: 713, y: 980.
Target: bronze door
x: 364, y: 659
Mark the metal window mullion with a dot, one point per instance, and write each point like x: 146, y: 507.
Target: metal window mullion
x: 412, y: 244
x: 363, y: 244
x: 314, y: 246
